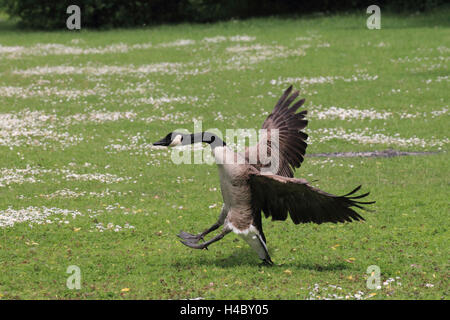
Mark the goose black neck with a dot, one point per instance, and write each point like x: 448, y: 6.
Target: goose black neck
x: 210, y: 138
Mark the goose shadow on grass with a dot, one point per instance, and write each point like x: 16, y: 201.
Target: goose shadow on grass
x: 246, y: 258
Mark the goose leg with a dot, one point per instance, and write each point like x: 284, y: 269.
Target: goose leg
x: 267, y: 262
x: 194, y: 238
x: 205, y: 245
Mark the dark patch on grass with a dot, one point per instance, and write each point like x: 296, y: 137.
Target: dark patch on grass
x: 372, y: 154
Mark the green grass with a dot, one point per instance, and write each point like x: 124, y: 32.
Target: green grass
x: 407, y: 236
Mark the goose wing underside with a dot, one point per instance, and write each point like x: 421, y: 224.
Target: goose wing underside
x: 292, y: 141
x: 279, y: 197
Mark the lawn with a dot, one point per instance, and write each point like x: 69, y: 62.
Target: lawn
x: 80, y: 183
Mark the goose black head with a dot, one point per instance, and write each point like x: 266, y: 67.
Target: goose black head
x: 175, y: 139
x: 171, y: 140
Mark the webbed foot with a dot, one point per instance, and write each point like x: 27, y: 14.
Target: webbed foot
x: 191, y: 238
x: 195, y: 245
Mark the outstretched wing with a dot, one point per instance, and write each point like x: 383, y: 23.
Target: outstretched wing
x: 292, y: 141
x: 277, y: 196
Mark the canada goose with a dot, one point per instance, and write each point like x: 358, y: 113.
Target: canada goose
x: 247, y: 191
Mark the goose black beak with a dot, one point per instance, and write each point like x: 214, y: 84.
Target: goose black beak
x: 159, y: 143
x: 163, y: 142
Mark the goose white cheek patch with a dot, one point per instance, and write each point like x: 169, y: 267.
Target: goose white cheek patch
x: 176, y: 141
